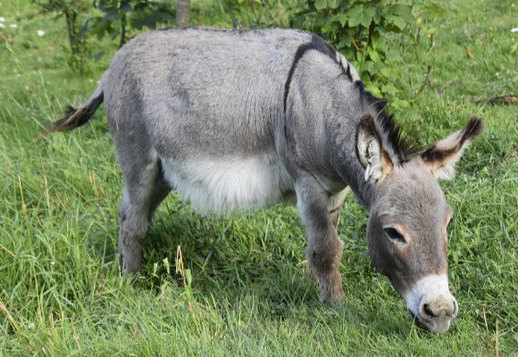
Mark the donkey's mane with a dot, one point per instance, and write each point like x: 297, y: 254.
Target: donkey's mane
x: 404, y: 145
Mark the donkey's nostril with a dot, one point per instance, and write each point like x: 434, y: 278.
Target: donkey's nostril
x: 428, y: 311
x: 442, y: 307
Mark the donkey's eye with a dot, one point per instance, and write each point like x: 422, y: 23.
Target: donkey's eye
x: 394, y: 235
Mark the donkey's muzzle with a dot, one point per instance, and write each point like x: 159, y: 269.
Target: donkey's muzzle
x: 431, y: 304
x: 436, y: 315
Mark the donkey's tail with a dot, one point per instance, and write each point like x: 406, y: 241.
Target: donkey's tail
x: 76, y: 117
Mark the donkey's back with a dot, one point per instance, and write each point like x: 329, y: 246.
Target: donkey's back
x: 202, y: 91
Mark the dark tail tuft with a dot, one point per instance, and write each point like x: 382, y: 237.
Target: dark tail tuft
x: 75, y: 117
x: 71, y: 119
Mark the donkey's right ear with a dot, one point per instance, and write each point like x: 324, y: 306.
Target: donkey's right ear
x: 370, y: 151
x: 442, y: 157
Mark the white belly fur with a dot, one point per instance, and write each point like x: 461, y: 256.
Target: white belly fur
x: 228, y: 184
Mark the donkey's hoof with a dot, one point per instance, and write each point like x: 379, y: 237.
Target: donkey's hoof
x: 332, y: 298
x: 128, y: 267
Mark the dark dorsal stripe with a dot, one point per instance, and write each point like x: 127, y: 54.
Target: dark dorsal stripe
x: 317, y: 44
x: 404, y: 146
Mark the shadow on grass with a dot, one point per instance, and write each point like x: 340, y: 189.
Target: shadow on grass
x: 256, y: 261
x: 232, y: 255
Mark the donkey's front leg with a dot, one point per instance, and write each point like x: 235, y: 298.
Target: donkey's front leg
x: 336, y: 202
x: 324, y: 249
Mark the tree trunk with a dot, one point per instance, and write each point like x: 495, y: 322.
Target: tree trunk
x: 183, y: 10
x: 77, y: 45
x: 124, y: 21
x: 71, y: 20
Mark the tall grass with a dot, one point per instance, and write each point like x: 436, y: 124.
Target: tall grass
x: 244, y: 286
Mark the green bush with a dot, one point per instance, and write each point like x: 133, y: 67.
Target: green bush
x: 259, y: 13
x: 136, y: 14
x: 360, y: 29
x: 71, y: 10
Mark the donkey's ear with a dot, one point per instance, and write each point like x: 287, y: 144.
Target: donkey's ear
x: 442, y: 157
x: 370, y: 151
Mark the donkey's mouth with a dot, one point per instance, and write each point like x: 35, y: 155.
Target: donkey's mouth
x: 417, y: 321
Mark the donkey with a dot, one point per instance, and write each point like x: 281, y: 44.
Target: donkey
x: 239, y: 119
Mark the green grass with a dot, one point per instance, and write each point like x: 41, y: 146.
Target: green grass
x: 250, y: 293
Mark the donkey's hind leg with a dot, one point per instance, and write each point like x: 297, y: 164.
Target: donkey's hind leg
x: 160, y: 191
x: 145, y: 189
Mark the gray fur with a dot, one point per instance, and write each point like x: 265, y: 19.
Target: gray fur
x: 240, y: 119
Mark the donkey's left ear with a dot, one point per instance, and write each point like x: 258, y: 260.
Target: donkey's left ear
x: 370, y: 151
x: 442, y: 157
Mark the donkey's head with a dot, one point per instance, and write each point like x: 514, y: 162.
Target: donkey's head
x: 409, y: 218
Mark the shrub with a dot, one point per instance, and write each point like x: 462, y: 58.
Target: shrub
x: 355, y: 28
x: 70, y: 10
x: 119, y: 15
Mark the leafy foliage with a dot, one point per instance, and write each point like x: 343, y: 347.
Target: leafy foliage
x: 119, y: 14
x: 356, y: 28
x: 71, y: 10
x: 361, y: 30
x: 256, y: 13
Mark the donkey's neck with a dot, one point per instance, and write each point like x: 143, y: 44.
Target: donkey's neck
x: 351, y: 172
x: 364, y: 190
x: 342, y: 146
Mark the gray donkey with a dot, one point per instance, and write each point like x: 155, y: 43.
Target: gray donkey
x: 242, y: 119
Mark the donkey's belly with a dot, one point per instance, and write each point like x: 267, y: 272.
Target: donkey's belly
x: 229, y: 183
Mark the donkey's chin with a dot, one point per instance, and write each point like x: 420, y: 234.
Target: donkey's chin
x: 437, y: 326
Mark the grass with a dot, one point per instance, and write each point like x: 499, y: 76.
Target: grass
x: 244, y: 288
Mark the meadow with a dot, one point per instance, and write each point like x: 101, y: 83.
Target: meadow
x: 239, y: 285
